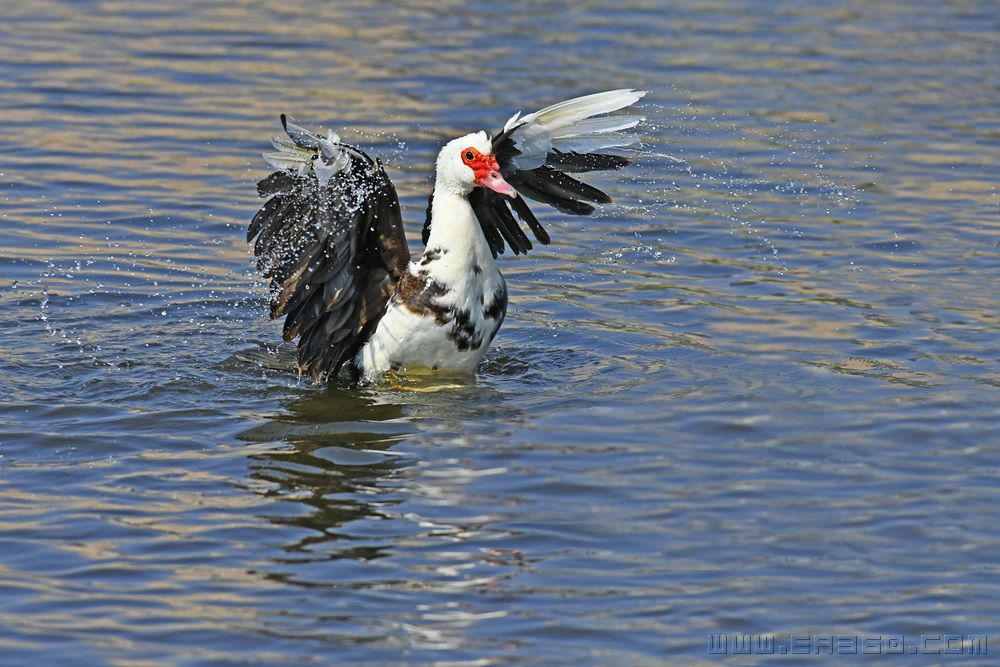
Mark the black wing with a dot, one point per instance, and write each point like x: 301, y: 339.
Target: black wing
x: 536, y: 155
x: 330, y: 237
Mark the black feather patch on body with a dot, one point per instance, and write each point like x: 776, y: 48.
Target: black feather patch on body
x: 464, y: 331
x: 425, y: 233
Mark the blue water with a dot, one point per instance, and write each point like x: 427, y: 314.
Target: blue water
x: 758, y: 394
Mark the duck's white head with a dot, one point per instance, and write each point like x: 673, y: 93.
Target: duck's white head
x: 467, y: 163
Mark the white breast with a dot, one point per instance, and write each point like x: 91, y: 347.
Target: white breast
x: 452, y: 334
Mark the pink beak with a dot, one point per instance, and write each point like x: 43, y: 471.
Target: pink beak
x: 488, y: 175
x: 495, y: 182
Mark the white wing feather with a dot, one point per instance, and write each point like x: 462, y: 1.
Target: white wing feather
x: 592, y: 144
x: 597, y: 126
x: 300, y: 154
x: 570, y: 126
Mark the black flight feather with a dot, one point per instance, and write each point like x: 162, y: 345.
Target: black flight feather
x: 523, y: 212
x: 575, y: 163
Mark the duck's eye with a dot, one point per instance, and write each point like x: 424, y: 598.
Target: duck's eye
x: 469, y: 157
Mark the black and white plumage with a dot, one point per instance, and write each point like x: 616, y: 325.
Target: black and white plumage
x: 330, y: 236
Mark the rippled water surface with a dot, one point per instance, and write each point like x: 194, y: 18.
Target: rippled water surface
x: 758, y: 394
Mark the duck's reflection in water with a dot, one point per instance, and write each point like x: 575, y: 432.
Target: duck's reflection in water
x: 379, y: 500
x: 333, y: 466
x: 366, y: 474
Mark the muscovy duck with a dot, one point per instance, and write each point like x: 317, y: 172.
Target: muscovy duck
x: 330, y: 236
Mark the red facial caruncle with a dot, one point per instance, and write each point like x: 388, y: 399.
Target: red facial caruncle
x: 487, y: 171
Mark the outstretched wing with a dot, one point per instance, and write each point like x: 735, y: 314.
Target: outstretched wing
x: 330, y: 237
x: 537, y: 152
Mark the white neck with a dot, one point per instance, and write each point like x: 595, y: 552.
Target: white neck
x: 457, y: 238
